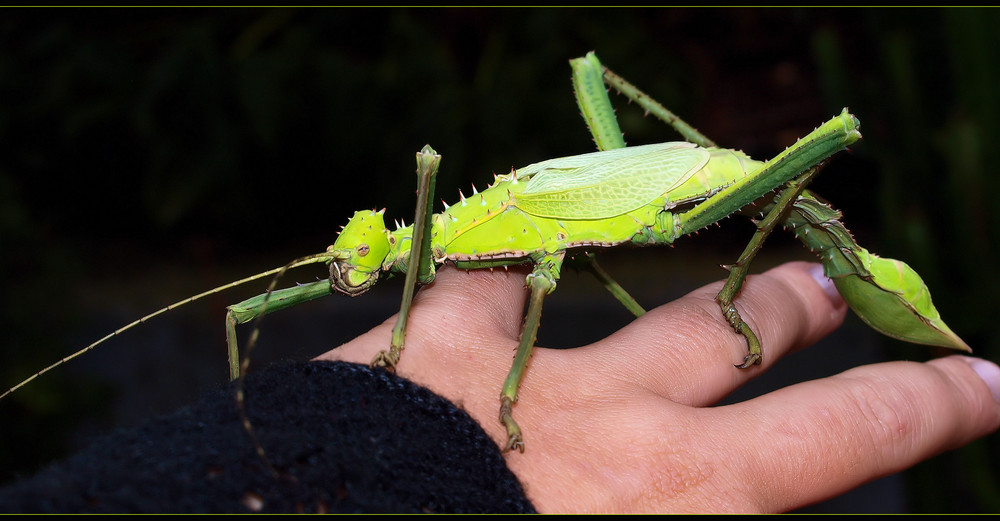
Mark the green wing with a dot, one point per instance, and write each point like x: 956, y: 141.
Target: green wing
x: 605, y: 184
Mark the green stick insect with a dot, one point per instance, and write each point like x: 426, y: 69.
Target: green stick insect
x: 642, y: 195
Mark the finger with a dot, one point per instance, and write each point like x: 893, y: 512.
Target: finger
x: 686, y: 350
x: 460, y: 339
x: 461, y: 313
x: 478, y: 304
x: 817, y: 439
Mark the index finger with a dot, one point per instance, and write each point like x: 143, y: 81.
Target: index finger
x: 685, y: 350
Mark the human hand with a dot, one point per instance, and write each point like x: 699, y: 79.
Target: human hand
x: 624, y: 424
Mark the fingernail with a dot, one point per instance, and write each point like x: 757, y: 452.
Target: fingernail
x: 989, y: 372
x: 816, y: 271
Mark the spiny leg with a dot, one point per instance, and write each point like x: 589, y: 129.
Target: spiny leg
x: 419, y: 267
x: 597, y: 112
x: 541, y: 282
x: 653, y: 107
x: 589, y: 263
x: 776, y: 214
x: 739, y: 270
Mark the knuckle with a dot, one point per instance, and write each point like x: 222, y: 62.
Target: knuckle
x: 884, y: 412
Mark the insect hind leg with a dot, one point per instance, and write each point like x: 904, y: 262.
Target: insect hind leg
x: 739, y: 270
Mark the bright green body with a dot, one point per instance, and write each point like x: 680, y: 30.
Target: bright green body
x: 494, y: 227
x: 640, y: 196
x: 643, y: 195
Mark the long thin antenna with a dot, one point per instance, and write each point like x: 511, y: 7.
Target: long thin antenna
x: 300, y: 262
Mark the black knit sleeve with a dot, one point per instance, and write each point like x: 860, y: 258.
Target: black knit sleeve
x: 341, y: 438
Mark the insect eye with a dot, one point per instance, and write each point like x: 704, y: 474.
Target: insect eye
x: 362, y: 249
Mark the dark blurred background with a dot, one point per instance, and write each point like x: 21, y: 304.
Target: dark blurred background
x: 149, y: 154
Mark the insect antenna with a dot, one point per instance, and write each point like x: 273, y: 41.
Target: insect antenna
x: 148, y: 317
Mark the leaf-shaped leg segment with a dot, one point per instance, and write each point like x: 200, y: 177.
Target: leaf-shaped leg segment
x: 541, y: 282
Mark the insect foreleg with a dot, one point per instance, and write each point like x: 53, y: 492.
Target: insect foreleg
x: 276, y: 300
x: 541, y: 282
x: 420, y: 267
x: 254, y: 309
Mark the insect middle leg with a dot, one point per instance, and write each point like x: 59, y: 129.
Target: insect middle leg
x: 541, y: 282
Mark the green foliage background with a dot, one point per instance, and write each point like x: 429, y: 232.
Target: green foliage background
x: 148, y: 154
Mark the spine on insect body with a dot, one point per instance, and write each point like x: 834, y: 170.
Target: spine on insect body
x: 641, y: 195
x: 491, y: 228
x: 488, y: 229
